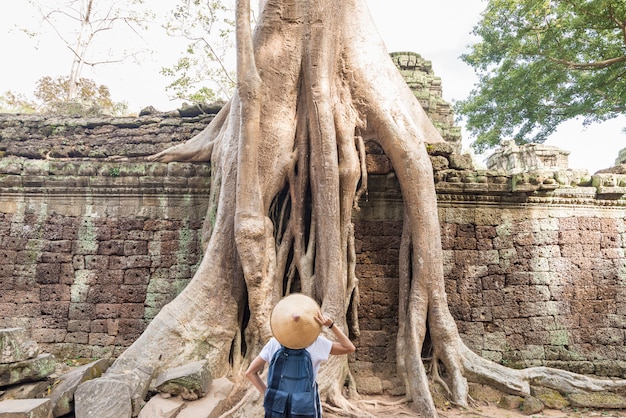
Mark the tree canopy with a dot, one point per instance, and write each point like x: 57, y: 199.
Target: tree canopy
x: 203, y: 72
x: 52, y: 98
x: 542, y: 62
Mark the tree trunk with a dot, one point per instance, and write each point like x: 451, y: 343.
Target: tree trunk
x: 287, y: 155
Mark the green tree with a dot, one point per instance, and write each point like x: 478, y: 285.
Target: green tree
x: 11, y: 102
x: 89, y: 98
x: 203, y: 72
x: 52, y: 97
x: 542, y: 62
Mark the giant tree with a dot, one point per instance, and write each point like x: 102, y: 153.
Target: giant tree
x: 314, y: 84
x: 541, y: 63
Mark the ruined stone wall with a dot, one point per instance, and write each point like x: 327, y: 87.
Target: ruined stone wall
x: 90, y: 252
x: 534, y: 264
x: 92, y: 246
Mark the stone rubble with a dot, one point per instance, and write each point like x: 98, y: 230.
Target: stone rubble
x: 30, y: 388
x: 26, y: 408
x: 62, y: 393
x: 190, y: 381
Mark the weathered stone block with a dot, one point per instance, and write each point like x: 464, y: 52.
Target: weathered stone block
x: 28, y: 370
x: 531, y: 405
x: 62, y: 395
x: 190, y: 381
x: 461, y: 162
x: 211, y: 405
x: 161, y: 407
x: 607, y: 400
x: 103, y: 398
x: 369, y: 385
x: 15, y: 346
x: 25, y: 408
x: 31, y: 390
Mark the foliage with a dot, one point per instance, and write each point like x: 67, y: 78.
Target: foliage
x: 542, y: 62
x: 202, y: 74
x: 53, y: 98
x: 11, y: 102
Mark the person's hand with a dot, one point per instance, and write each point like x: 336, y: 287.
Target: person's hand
x: 323, y: 320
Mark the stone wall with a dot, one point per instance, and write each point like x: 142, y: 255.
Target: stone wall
x: 534, y: 263
x: 93, y: 246
x: 90, y: 252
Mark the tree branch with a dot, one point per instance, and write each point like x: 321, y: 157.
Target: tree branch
x: 589, y: 65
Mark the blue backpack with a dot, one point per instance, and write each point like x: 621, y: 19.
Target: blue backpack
x: 291, y: 388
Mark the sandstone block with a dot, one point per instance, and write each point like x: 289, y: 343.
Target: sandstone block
x: 607, y: 400
x: 461, y: 162
x: 16, y: 346
x: 532, y: 405
x: 32, y: 390
x: 439, y: 163
x: 25, y: 408
x: 378, y: 164
x: 371, y: 385
x: 62, y: 395
x: 27, y: 370
x: 160, y: 407
x: 211, y: 405
x: 103, y: 398
x: 510, y: 402
x: 549, y: 397
x: 190, y: 381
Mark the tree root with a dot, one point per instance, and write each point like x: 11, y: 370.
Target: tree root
x: 518, y: 382
x: 245, y: 399
x: 347, y: 409
x: 378, y: 403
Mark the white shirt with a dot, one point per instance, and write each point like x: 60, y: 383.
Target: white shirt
x: 319, y: 351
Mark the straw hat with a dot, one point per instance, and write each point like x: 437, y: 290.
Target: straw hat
x: 293, y: 321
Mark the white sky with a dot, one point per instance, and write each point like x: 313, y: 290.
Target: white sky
x: 437, y: 30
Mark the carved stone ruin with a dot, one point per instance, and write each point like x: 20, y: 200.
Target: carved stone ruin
x: 529, y: 157
x: 420, y: 77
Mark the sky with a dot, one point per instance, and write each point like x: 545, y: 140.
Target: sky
x: 439, y: 31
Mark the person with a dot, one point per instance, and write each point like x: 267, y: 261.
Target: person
x: 296, y: 323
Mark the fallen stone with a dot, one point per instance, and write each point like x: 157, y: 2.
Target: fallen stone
x: 212, y: 404
x: 484, y: 393
x: 138, y: 381
x: 103, y: 398
x: 394, y: 386
x: 25, y: 408
x: 531, y: 405
x: 30, y: 370
x: 135, y: 381
x: 31, y: 390
x: 510, y: 402
x: 190, y: 381
x: 15, y: 346
x: 161, y: 407
x: 608, y: 400
x: 370, y: 385
x: 549, y: 397
x: 62, y: 394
